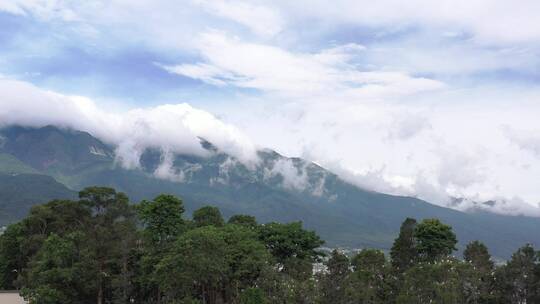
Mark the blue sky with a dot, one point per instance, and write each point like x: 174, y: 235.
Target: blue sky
x: 67, y: 47
x: 428, y: 98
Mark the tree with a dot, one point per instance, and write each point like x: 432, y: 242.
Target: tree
x: 93, y: 251
x: 11, y: 259
x: 196, y: 265
x: 290, y: 240
x: 56, y: 273
x: 435, y: 240
x: 207, y: 216
x: 334, y: 280
x: 294, y: 250
x: 244, y: 220
x: 437, y: 282
x: 212, y: 263
x: 163, y: 223
x: 162, y: 218
x: 477, y: 255
x: 404, y: 253
x: 112, y: 221
x: 252, y: 296
x: 519, y: 280
x: 21, y: 241
x: 369, y: 277
x: 247, y: 258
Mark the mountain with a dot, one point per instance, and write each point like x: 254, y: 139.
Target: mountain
x: 19, y: 192
x: 276, y: 189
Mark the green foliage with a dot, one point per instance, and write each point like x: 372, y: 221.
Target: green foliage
x: 252, y: 296
x: 162, y: 217
x: 435, y: 240
x: 11, y: 259
x: 197, y: 261
x: 110, y: 233
x: 477, y: 254
x: 369, y: 280
x: 404, y: 252
x: 207, y: 216
x: 93, y: 251
x: 57, y: 273
x: 210, y: 259
x: 163, y: 224
x: 481, y: 274
x: 369, y: 260
x: 287, y: 241
x: 334, y: 283
x: 64, y: 159
x: 244, y: 220
x: 338, y: 266
x: 519, y: 280
x: 22, y: 240
x: 437, y: 282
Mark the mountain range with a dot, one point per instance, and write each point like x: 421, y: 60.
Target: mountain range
x: 40, y: 164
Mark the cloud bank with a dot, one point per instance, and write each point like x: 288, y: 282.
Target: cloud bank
x: 171, y: 128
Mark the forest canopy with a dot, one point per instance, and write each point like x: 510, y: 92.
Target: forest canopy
x: 102, y: 249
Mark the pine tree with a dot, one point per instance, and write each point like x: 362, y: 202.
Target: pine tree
x: 520, y: 278
x: 482, y: 280
x: 403, y: 252
x: 334, y: 281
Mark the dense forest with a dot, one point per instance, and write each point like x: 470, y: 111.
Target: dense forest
x: 102, y: 249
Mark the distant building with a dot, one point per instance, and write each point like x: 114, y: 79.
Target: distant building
x: 11, y: 297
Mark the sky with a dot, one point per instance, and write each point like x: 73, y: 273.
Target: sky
x: 434, y: 99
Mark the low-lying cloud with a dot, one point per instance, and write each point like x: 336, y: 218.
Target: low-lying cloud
x: 172, y: 128
x: 435, y: 159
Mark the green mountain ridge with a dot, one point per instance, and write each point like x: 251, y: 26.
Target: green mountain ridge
x: 341, y: 213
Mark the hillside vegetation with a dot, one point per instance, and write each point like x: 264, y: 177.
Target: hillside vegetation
x: 102, y: 249
x: 343, y: 214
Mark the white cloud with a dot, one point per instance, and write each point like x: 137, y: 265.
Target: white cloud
x: 292, y: 177
x: 408, y: 125
x: 166, y: 169
x: 260, y: 19
x: 436, y: 145
x: 268, y: 68
x: 11, y: 7
x: 43, y: 9
x: 528, y: 140
x: 172, y: 128
x: 489, y: 21
x: 444, y: 36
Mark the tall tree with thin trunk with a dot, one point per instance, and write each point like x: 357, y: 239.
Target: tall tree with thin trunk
x: 334, y: 281
x: 112, y: 220
x: 403, y: 252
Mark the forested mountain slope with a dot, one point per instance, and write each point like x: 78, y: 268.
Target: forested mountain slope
x: 343, y: 214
